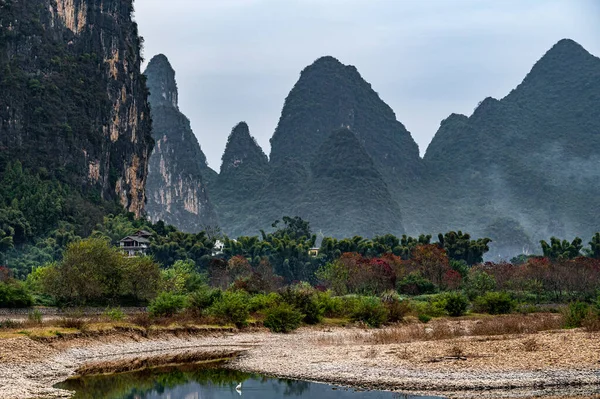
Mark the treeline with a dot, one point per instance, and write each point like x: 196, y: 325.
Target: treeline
x: 65, y: 269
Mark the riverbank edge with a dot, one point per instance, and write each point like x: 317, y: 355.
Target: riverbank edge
x: 237, y: 346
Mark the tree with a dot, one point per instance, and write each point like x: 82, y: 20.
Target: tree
x: 594, y: 251
x: 564, y: 249
x: 432, y: 262
x: 90, y: 272
x: 459, y: 246
x: 142, y: 278
x: 295, y: 228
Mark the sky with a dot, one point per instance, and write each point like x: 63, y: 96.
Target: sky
x: 237, y: 60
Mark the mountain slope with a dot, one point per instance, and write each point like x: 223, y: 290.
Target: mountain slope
x: 346, y: 195
x: 532, y: 156
x: 244, y: 171
x: 176, y: 190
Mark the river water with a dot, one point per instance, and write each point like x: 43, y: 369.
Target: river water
x: 194, y: 382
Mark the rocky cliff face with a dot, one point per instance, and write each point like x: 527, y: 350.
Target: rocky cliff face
x: 531, y: 157
x: 72, y: 99
x: 176, y: 190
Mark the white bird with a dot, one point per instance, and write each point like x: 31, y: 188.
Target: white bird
x: 239, y: 388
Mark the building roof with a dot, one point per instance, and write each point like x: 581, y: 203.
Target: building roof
x: 136, y: 238
x: 143, y: 233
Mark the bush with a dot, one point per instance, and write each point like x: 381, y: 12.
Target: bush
x: 283, y: 318
x: 423, y: 318
x: 167, y: 304
x: 415, y: 284
x: 575, y: 313
x: 35, y: 317
x: 456, y: 303
x: 232, y: 307
x: 203, y: 298
x: 478, y: 283
x: 333, y: 306
x: 371, y: 311
x: 78, y: 323
x: 260, y: 302
x: 13, y: 294
x: 304, y: 298
x: 495, y: 303
x: 114, y: 314
x: 397, y: 308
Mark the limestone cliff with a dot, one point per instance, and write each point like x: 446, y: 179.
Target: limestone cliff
x: 73, y: 103
x: 176, y: 190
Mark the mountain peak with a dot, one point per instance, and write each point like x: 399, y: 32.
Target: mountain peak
x: 241, y: 149
x: 565, y: 66
x: 161, y: 81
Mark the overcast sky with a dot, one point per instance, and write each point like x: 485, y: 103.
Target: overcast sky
x: 238, y: 59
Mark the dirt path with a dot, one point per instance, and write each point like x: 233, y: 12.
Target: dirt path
x: 561, y: 362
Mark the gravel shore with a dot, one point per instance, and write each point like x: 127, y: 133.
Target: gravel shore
x: 562, y: 362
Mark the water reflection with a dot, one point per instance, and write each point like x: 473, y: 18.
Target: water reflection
x: 208, y: 383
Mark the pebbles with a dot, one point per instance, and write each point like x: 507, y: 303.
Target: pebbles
x: 565, y: 361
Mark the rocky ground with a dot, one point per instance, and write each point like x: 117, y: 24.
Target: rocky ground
x: 562, y: 362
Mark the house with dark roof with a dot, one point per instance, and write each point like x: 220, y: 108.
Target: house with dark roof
x: 136, y: 244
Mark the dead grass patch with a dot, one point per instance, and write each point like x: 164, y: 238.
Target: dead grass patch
x: 516, y: 324
x: 530, y: 345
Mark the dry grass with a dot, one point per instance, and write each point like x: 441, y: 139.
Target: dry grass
x: 450, y: 329
x: 77, y: 323
x: 530, y: 345
x: 418, y: 332
x: 456, y: 350
x: 592, y: 322
x: 517, y: 324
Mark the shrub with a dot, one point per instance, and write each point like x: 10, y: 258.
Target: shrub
x: 10, y: 324
x: 415, y: 284
x: 494, y: 303
x: 397, y: 308
x: 35, y: 317
x: 456, y: 303
x: 72, y: 322
x: 423, y: 318
x: 13, y: 294
x: 371, y: 311
x: 167, y: 304
x: 232, y: 307
x: 283, y: 318
x: 203, y: 298
x: 114, y: 314
x: 478, y: 283
x: 575, y: 313
x: 304, y: 298
x: 333, y: 306
x: 261, y: 302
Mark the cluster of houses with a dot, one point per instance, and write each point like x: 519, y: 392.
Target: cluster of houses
x: 138, y: 244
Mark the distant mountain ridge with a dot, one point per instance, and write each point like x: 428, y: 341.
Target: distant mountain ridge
x: 533, y: 156
x: 525, y: 165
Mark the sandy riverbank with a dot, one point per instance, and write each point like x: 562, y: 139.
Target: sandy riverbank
x: 558, y: 363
